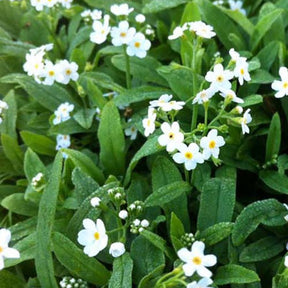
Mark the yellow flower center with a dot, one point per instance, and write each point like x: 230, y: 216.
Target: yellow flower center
x: 212, y: 144
x: 1, y: 249
x: 188, y: 155
x: 242, y: 71
x: 285, y: 85
x: 51, y: 73
x: 123, y: 34
x: 137, y: 44
x: 220, y: 78
x: 96, y: 235
x: 197, y: 260
x: 102, y: 31
x: 68, y: 72
x: 148, y: 122
x: 171, y: 135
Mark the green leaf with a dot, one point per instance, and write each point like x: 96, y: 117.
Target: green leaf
x: 274, y: 138
x: 146, y: 257
x: 234, y: 274
x: 263, y: 26
x: 216, y: 233
x: 39, y: 143
x: 202, y: 173
x: 261, y: 77
x: 252, y: 100
x: 122, y: 272
x: 150, y: 280
x: 14, y: 48
x: 85, y: 117
x: 13, y: 152
x: 46, y: 215
x: 17, y: 204
x: 274, y: 180
x: 143, y: 69
x: 176, y: 232
x: 262, y: 249
x: 269, y: 212
x: 78, y: 263
x: 111, y: 139
x: 32, y: 164
x: 85, y: 164
x: 268, y: 54
x: 139, y: 94
x: 155, y: 6
x: 217, y: 202
x: 22, y: 229
x: 8, y: 280
x: 167, y: 193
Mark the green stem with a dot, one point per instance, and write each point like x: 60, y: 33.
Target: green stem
x: 195, y: 107
x: 127, y: 60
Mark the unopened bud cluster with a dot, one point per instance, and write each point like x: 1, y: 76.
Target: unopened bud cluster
x: 70, y: 282
x: 136, y: 208
x: 138, y: 226
x: 273, y: 161
x: 117, y: 195
x: 187, y: 239
x: 38, y: 182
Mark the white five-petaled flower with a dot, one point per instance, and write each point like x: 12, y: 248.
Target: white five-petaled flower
x: 38, y: 4
x: 131, y: 131
x: 49, y: 73
x: 281, y: 86
x: 117, y: 249
x: 177, y: 33
x: 122, y: 34
x: 219, y: 78
x: 122, y: 9
x: 235, y: 56
x: 63, y: 141
x: 138, y: 46
x: 93, y: 237
x: 66, y: 71
x: 5, y: 251
x: 246, y: 119
x: 196, y: 261
x: 165, y: 104
x: 237, y: 6
x: 189, y: 155
x: 100, y: 30
x: 95, y: 201
x: 211, y: 143
x: 230, y: 95
x: 203, y: 96
x: 149, y: 122
x: 202, y: 29
x: 202, y: 283
x: 63, y: 113
x: 241, y: 70
x: 172, y: 136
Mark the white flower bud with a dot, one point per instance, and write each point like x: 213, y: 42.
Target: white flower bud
x: 123, y: 214
x: 95, y: 201
x: 117, y: 249
x: 144, y: 223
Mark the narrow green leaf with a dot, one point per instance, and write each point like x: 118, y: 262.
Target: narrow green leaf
x: 32, y: 164
x: 78, y: 263
x: 216, y: 233
x: 155, y: 6
x: 217, y: 202
x: 47, y: 210
x: 269, y: 212
x: 39, y: 143
x: 274, y: 138
x: 24, y: 228
x: 234, y: 274
x: 14, y: 48
x: 85, y: 164
x: 176, y: 232
x: 111, y: 139
x: 262, y: 249
x: 268, y: 54
x: 122, y: 272
x: 167, y: 193
x: 274, y: 180
x: 252, y: 100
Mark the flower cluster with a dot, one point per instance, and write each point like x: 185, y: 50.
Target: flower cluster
x: 3, y: 106
x: 70, y: 282
x: 38, y: 182
x: 41, y: 4
x: 63, y: 113
x: 46, y: 72
x: 233, y: 5
x: 138, y: 226
x: 63, y: 141
x: 135, y: 43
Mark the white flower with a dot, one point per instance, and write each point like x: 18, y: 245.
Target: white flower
x: 189, y: 155
x: 131, y: 131
x: 93, y: 237
x: 241, y: 70
x: 140, y: 18
x: 34, y: 65
x: 5, y: 251
x: 96, y: 14
x: 203, y: 96
x: 165, y: 104
x: 50, y: 3
x: 219, y: 78
x: 196, y: 261
x: 172, y: 136
x: 202, y: 283
x: 95, y: 201
x: 231, y: 96
x: 218, y: 2
x: 122, y: 34
x: 86, y: 13
x: 49, y: 73
x: 246, y: 119
x: 65, y: 3
x: 145, y: 223
x: 281, y: 86
x: 3, y: 106
x: 122, y: 9
x: 36, y: 179
x: 63, y: 113
x: 237, y: 6
x: 138, y: 46
x: 235, y: 56
x: 100, y: 30
x: 149, y: 122
x: 286, y: 261
x: 211, y: 143
x: 136, y: 222
x: 117, y: 249
x: 123, y: 214
x: 202, y: 29
x: 66, y: 71
x: 38, y: 4
x: 177, y: 33
x: 63, y: 141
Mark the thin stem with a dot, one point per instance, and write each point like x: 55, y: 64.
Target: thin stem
x: 195, y: 107
x: 128, y: 78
